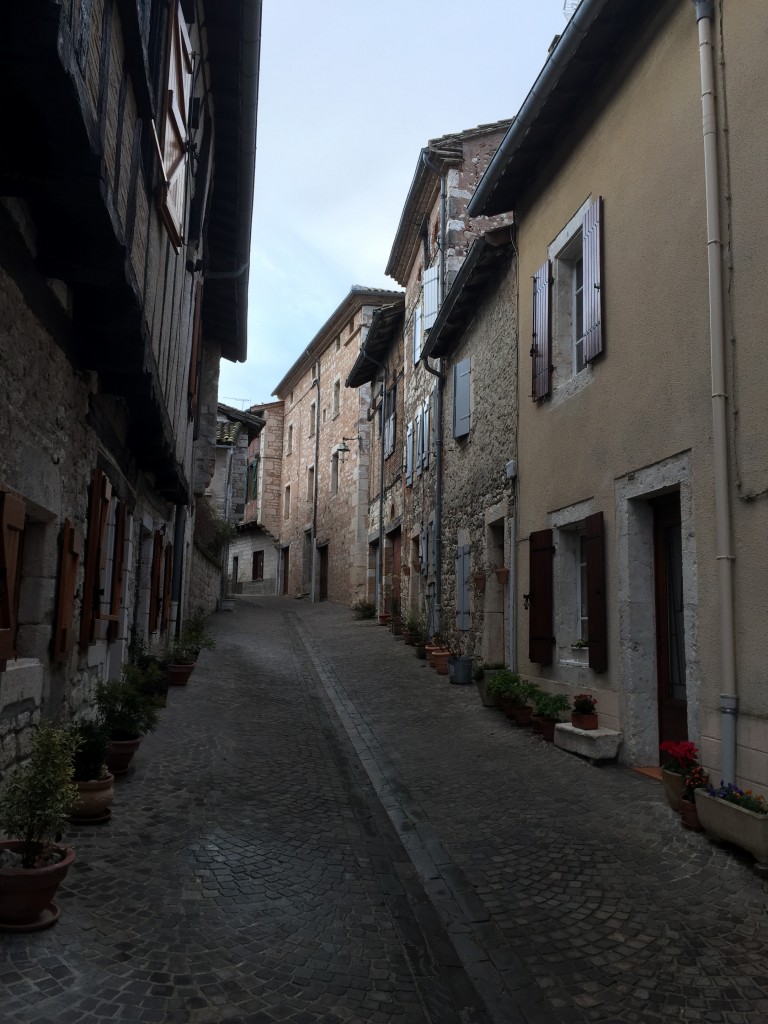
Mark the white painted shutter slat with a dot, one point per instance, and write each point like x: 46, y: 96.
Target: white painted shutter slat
x: 431, y: 295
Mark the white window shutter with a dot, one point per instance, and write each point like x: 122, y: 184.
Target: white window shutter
x: 417, y: 334
x: 426, y: 434
x: 461, y: 404
x: 431, y: 295
x: 419, y: 441
x: 409, y: 455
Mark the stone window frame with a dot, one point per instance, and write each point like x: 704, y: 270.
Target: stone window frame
x: 567, y: 525
x: 336, y: 399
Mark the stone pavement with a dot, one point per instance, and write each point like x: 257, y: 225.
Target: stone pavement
x: 323, y: 830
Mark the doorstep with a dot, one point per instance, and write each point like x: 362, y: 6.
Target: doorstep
x: 594, y: 744
x: 651, y: 771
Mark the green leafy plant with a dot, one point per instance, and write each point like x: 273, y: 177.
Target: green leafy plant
x: 364, y: 609
x: 741, y: 797
x: 37, y: 798
x: 550, y: 705
x: 503, y: 683
x: 126, y: 712
x: 91, y: 741
x: 193, y: 634
x: 150, y: 677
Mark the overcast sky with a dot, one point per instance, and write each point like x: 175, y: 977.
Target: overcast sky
x: 349, y: 94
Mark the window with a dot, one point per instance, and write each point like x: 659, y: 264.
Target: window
x: 310, y: 484
x: 581, y: 592
x: 417, y: 334
x: 409, y: 455
x: 390, y: 420
x: 336, y: 398
x: 461, y: 398
x: 335, y: 473
x: 289, y: 445
x: 12, y: 512
x: 257, y: 568
x: 254, y: 468
x: 312, y: 418
x: 287, y: 502
x: 175, y: 128
x: 338, y: 343
x: 568, y: 305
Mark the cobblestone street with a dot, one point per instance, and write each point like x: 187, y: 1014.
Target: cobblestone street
x: 324, y: 830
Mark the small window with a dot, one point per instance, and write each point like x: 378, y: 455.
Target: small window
x: 312, y: 418
x: 289, y: 446
x: 338, y: 343
x: 310, y: 484
x: 336, y: 398
x: 335, y: 473
x: 287, y: 502
x: 257, y: 568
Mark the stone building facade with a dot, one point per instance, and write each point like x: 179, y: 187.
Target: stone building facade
x: 323, y: 531
x: 110, y: 333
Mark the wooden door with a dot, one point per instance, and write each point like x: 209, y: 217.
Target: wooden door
x: 670, y: 630
x: 323, y: 553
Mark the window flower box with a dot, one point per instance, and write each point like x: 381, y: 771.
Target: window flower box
x: 726, y: 821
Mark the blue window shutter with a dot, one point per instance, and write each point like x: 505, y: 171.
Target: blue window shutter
x: 461, y: 373
x: 427, y: 436
x: 419, y: 441
x: 431, y: 295
x: 409, y: 455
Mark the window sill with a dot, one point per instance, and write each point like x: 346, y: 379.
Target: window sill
x: 576, y: 656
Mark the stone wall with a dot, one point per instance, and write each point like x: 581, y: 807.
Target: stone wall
x: 205, y: 582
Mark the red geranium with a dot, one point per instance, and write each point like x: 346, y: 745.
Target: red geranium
x: 679, y: 756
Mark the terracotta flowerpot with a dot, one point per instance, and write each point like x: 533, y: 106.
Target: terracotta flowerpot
x: 673, y: 788
x: 26, y: 894
x: 178, y: 675
x: 121, y: 754
x: 536, y: 721
x: 502, y: 575
x: 478, y: 581
x: 440, y: 662
x: 409, y: 637
x: 397, y: 627
x: 522, y: 715
x: 94, y: 801
x: 548, y: 729
x: 580, y: 721
x: 688, y: 816
x: 384, y: 619
x: 430, y: 649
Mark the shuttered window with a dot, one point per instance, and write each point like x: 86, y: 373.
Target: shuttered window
x: 257, y: 567
x: 95, y: 556
x: 593, y: 279
x: 596, y: 602
x: 12, y: 511
x: 417, y: 334
x: 541, y: 341
x: 118, y: 556
x: 175, y: 134
x: 461, y: 398
x: 420, y: 441
x: 540, y: 636
x: 431, y: 295
x: 154, y: 582
x: 462, y: 588
x: 69, y: 562
x: 390, y: 421
x: 425, y: 435
x: 423, y: 552
x: 409, y: 455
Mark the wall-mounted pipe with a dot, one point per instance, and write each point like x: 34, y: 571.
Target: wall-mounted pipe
x: 724, y: 551
x: 313, y: 580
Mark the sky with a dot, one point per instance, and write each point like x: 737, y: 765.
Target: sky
x: 349, y: 93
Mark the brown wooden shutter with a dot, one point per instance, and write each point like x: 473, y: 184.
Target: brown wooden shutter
x: 596, y: 603
x: 113, y: 630
x: 69, y: 562
x: 12, y: 511
x: 540, y: 637
x: 172, y: 195
x: 95, y: 553
x: 193, y: 386
x: 593, y: 281
x: 167, y: 577
x: 541, y: 343
x: 154, y: 586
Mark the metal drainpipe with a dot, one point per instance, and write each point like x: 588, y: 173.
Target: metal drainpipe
x: 725, y: 558
x: 315, y: 384
x: 438, y: 411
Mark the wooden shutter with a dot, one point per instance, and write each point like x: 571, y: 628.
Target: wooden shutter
x: 461, y: 372
x: 426, y: 435
x: 12, y: 511
x: 420, y: 441
x: 596, y: 603
x: 409, y: 455
x: 423, y: 553
x: 95, y: 554
x: 462, y: 588
x: 417, y: 333
x: 541, y: 343
x: 593, y: 280
x: 69, y: 562
x: 193, y: 385
x: 167, y: 581
x: 431, y: 295
x: 173, y: 189
x: 118, y: 561
x: 154, y: 584
x: 540, y: 638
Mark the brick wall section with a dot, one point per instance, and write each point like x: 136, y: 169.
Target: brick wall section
x: 478, y: 498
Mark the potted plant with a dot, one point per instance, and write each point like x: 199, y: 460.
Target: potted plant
x: 479, y: 579
x: 459, y: 661
x: 34, y: 806
x: 481, y: 676
x: 696, y: 778
x: 364, y: 609
x: 151, y: 677
x: 548, y: 707
x: 128, y: 715
x: 182, y: 658
x: 502, y: 573
x: 678, y: 757
x: 736, y: 816
x: 584, y: 715
x: 193, y: 634
x: 411, y: 630
x: 93, y: 779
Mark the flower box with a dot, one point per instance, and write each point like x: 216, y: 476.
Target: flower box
x: 673, y: 788
x: 733, y: 824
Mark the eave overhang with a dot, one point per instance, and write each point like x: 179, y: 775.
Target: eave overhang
x: 486, y: 256
x: 386, y: 327
x: 591, y: 45
x: 253, y: 424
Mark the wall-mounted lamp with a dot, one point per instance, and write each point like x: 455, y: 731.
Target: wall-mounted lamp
x: 526, y: 601
x: 344, y: 449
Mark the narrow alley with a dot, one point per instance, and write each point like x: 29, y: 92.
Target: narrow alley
x: 323, y: 830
